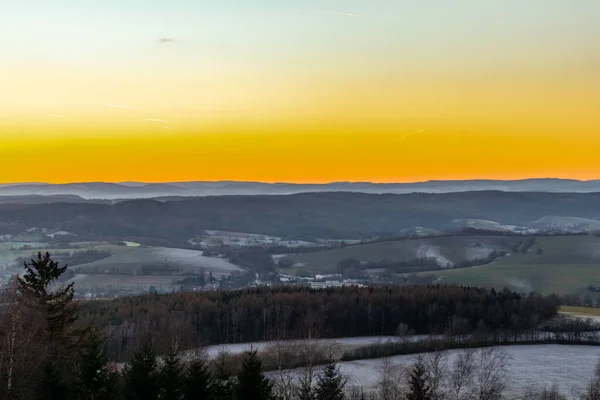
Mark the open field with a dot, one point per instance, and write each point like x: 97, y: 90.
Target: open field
x: 451, y: 249
x: 126, y: 269
x: 130, y: 260
x: 564, y: 264
x: 545, y: 278
x: 580, y: 311
x: 540, y: 365
x: 559, y: 264
x: 126, y: 259
x: 123, y: 283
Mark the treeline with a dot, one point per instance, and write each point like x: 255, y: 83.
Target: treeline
x: 52, y: 348
x: 590, y: 299
x: 474, y: 341
x: 285, y: 312
x: 353, y: 268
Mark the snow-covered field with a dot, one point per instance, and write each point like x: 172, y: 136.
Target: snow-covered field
x: 569, y: 367
x: 243, y: 239
x: 489, y: 225
x: 135, y: 256
x: 567, y: 223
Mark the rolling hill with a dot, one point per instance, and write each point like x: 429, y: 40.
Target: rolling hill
x: 552, y: 264
x: 130, y: 190
x: 307, y: 216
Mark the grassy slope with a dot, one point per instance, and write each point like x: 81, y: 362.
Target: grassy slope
x: 568, y: 264
x: 455, y: 249
x: 129, y: 260
x: 583, y: 311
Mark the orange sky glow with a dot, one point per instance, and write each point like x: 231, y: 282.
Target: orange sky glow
x: 353, y: 101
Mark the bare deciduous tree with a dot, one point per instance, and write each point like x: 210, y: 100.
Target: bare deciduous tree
x: 436, y: 365
x: 297, y: 364
x: 593, y: 389
x: 390, y: 385
x: 460, y: 379
x: 490, y: 376
x: 21, y: 352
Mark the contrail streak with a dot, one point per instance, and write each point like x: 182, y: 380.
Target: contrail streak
x: 409, y: 134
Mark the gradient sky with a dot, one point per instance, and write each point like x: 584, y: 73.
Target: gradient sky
x: 299, y: 91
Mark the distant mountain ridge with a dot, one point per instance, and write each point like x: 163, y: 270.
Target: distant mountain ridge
x: 132, y: 190
x: 308, y: 216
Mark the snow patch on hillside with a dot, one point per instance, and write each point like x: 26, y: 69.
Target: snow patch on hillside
x: 425, y: 251
x: 567, y: 223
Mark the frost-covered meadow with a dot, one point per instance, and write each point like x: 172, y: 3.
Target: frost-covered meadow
x: 569, y: 367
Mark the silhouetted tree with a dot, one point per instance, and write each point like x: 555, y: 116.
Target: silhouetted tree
x: 330, y: 385
x: 171, y: 378
x: 252, y: 384
x: 60, y: 337
x: 95, y: 380
x: 198, y: 383
x: 141, y: 374
x: 418, y: 388
x: 223, y: 385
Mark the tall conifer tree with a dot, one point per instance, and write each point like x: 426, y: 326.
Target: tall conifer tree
x: 330, y: 385
x: 252, y: 384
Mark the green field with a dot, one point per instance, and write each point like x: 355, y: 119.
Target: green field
x: 124, y: 269
x: 544, y: 278
x: 561, y: 264
x: 582, y: 311
x: 567, y: 264
x: 453, y: 249
x: 131, y: 260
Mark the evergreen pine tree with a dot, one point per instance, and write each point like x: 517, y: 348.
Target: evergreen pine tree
x: 53, y: 385
x: 55, y: 310
x: 223, y: 385
x: 198, y: 382
x: 141, y: 374
x: 418, y: 389
x: 330, y: 385
x: 171, y: 378
x: 58, y: 308
x: 95, y: 380
x: 252, y: 384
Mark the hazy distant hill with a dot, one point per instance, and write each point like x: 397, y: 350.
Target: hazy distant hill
x: 128, y: 190
x: 308, y: 215
x: 41, y: 199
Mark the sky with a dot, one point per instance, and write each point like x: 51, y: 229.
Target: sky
x: 298, y: 91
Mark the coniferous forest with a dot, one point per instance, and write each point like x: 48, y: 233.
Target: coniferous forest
x: 54, y: 347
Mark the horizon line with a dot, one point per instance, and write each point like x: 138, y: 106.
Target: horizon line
x: 299, y: 183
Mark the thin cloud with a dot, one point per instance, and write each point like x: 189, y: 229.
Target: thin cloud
x: 409, y: 134
x: 54, y: 116
x: 165, y: 40
x: 167, y: 127
x: 154, y: 120
x: 341, y: 14
x: 118, y: 106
